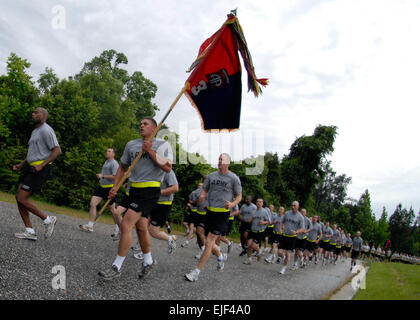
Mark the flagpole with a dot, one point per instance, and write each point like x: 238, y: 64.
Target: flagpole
x: 127, y: 173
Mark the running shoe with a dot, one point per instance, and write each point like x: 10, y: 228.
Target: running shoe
x: 139, y: 256
x: 192, y: 276
x: 49, y: 228
x: 185, y: 244
x: 146, y: 269
x: 86, y: 228
x: 110, y: 273
x: 283, y: 270
x: 220, y: 264
x: 116, y: 235
x: 171, y: 245
x: 230, y: 245
x: 26, y: 235
x: 248, y: 262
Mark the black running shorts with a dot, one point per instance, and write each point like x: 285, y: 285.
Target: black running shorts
x: 275, y: 238
x: 310, y: 246
x: 288, y: 243
x: 103, y: 193
x: 229, y: 228
x: 300, y: 244
x: 355, y: 254
x: 244, y: 227
x: 160, y: 214
x: 144, y: 199
x: 33, y: 181
x: 217, y: 222
x: 257, y: 237
x: 125, y: 201
x: 199, y: 220
x: 325, y: 245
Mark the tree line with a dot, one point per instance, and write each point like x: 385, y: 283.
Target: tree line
x: 101, y: 107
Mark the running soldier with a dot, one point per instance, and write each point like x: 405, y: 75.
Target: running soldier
x: 356, y: 248
x: 247, y: 209
x: 301, y: 241
x: 106, y: 182
x: 313, y: 238
x: 145, y: 181
x: 223, y: 190
x: 36, y: 169
x: 193, y: 197
x: 162, y: 209
x: 259, y: 221
x: 292, y: 224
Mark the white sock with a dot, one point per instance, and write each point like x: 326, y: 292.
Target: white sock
x: 147, y: 258
x: 90, y: 224
x: 203, y: 248
x: 118, y: 262
x: 47, y: 220
x: 116, y: 228
x: 30, y: 230
x: 197, y: 271
x: 220, y: 258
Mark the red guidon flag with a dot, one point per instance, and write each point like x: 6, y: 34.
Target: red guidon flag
x: 214, y: 86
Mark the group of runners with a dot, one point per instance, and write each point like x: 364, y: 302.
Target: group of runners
x: 147, y: 202
x: 277, y: 235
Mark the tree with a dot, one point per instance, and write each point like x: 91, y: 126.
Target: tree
x: 382, y: 229
x: 301, y: 169
x: 331, y: 192
x: 400, y: 227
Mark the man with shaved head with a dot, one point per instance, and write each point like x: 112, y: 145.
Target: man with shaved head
x: 35, y: 170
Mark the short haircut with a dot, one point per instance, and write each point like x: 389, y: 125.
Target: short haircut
x: 44, y: 112
x: 151, y: 119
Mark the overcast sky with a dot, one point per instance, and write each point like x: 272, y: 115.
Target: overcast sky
x: 352, y: 64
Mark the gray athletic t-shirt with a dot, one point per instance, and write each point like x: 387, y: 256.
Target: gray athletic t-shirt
x: 349, y: 241
x: 315, y: 231
x: 307, y: 225
x: 110, y: 167
x: 336, y: 235
x: 146, y: 169
x: 357, y: 244
x: 221, y: 188
x: 169, y: 179
x: 276, y: 222
x: 257, y: 216
x: 292, y: 221
x: 247, y: 211
x: 326, y: 232
x: 194, y: 197
x: 41, y: 143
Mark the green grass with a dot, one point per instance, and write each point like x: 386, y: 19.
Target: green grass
x: 391, y: 281
x: 106, y: 218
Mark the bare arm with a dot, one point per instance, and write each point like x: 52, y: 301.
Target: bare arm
x: 170, y: 190
x: 53, y: 155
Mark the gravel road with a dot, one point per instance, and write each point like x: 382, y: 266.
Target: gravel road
x: 26, y: 269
